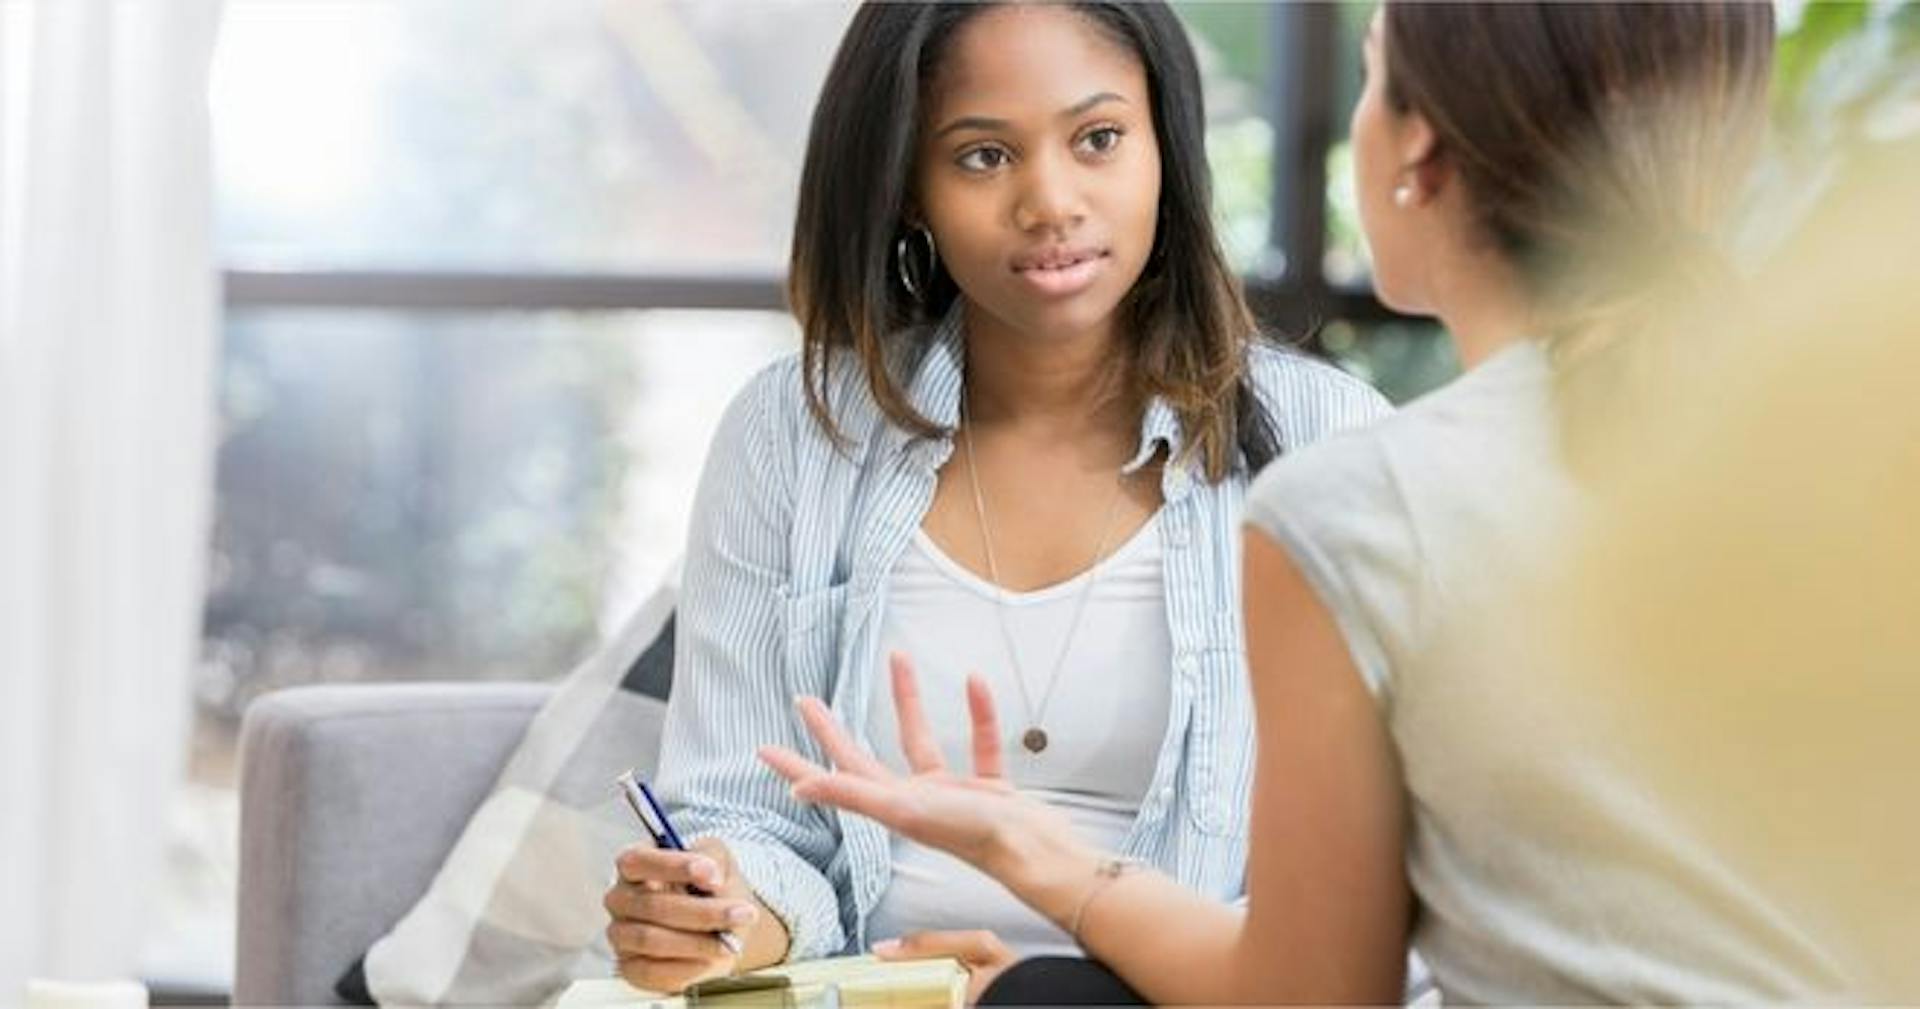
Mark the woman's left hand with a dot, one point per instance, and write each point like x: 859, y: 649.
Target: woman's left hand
x: 977, y: 817
x: 981, y: 952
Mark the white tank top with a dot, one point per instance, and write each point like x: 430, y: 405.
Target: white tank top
x: 1104, y: 720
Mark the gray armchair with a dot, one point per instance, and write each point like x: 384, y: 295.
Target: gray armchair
x: 350, y: 796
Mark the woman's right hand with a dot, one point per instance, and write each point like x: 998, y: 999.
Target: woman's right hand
x: 664, y: 938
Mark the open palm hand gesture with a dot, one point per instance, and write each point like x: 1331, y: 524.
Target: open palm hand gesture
x: 972, y: 816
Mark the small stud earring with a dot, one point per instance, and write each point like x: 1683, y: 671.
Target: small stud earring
x: 1403, y: 195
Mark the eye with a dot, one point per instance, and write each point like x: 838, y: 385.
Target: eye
x: 983, y: 159
x: 1101, y: 140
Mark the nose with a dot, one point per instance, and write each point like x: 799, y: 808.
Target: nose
x: 1049, y: 197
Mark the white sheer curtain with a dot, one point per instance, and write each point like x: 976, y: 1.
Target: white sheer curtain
x: 108, y: 330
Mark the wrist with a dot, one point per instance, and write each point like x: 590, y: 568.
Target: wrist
x: 1047, y: 871
x: 1108, y: 873
x: 767, y: 940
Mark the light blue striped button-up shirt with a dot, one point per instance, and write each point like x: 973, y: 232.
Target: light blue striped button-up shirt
x: 792, y: 542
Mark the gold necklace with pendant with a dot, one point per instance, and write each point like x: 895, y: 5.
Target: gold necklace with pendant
x: 1034, y: 739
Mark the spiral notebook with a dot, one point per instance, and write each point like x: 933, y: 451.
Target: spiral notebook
x: 864, y: 982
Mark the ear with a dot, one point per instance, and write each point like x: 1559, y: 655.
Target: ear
x: 1414, y: 137
x: 1418, y: 145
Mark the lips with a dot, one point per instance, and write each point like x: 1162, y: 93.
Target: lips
x: 1060, y: 271
x: 1056, y: 258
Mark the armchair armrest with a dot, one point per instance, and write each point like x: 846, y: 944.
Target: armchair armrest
x: 350, y: 797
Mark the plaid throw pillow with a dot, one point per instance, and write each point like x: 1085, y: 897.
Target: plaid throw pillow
x: 514, y: 914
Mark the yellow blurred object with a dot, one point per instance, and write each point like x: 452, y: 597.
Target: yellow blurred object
x: 1744, y: 609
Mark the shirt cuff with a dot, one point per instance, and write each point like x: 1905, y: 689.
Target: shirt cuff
x: 797, y: 892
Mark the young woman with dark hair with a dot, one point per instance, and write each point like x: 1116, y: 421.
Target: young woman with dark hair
x: 1551, y: 181
x: 1015, y: 444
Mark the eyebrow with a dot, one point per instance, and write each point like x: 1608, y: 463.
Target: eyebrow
x: 988, y: 124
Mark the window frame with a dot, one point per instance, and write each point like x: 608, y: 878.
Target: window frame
x: 1288, y: 289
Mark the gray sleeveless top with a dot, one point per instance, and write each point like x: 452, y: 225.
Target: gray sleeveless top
x: 1547, y: 869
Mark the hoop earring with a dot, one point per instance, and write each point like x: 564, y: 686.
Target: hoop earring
x: 916, y: 287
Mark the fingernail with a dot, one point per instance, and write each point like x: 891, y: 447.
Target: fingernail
x: 703, y: 870
x: 886, y: 947
x: 742, y: 914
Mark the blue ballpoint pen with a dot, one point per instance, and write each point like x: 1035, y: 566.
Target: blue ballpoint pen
x: 653, y: 817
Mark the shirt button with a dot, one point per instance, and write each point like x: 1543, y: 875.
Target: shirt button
x: 1166, y: 795
x: 1187, y: 665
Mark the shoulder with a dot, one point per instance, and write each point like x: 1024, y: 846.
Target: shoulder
x: 1308, y: 398
x: 1342, y: 483
x: 1336, y: 493
x: 774, y: 390
x: 1338, y: 509
x: 1490, y: 420
x: 772, y: 408
x: 1276, y: 366
x: 1352, y: 465
x: 1462, y: 448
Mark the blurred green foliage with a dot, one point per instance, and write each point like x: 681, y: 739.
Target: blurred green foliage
x: 1847, y: 73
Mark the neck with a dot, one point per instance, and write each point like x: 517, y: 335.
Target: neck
x: 1062, y: 381
x: 1484, y: 309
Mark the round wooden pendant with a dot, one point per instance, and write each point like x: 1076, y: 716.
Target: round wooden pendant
x: 1035, y: 739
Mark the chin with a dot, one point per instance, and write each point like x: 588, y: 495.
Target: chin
x: 1049, y: 317
x: 1067, y: 317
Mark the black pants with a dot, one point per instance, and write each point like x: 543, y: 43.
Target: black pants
x: 1059, y: 980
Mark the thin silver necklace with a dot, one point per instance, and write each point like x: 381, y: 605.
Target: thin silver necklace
x: 1035, y: 737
